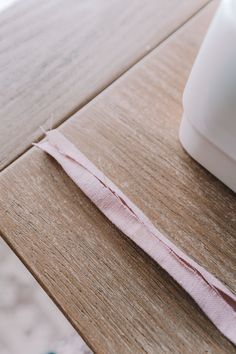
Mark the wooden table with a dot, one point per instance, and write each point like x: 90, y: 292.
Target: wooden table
x: 126, y: 63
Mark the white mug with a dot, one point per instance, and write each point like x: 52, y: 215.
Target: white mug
x: 208, y: 127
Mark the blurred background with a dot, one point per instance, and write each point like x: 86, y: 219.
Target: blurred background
x: 30, y: 323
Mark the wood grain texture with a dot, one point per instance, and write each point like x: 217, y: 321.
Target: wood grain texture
x: 115, y: 295
x: 56, y: 55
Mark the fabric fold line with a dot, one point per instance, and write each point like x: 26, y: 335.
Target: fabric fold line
x: 218, y: 303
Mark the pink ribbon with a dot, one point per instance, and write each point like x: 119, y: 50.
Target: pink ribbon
x: 218, y: 303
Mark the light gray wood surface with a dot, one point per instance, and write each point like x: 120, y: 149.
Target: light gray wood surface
x: 114, y: 294
x: 56, y: 55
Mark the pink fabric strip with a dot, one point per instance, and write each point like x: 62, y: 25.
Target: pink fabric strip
x: 211, y: 295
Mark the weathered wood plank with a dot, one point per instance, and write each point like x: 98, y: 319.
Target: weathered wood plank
x: 56, y: 55
x: 116, y: 296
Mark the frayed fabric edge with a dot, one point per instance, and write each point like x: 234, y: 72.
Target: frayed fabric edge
x: 218, y: 303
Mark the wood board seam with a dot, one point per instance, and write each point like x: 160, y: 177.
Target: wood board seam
x: 98, y: 92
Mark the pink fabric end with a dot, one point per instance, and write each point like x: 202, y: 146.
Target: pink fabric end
x: 218, y: 303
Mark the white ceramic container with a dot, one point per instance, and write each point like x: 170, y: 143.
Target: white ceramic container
x: 208, y: 127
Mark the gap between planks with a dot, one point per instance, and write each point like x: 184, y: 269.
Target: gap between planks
x: 103, y: 88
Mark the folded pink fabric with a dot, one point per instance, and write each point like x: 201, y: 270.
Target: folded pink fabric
x: 211, y: 295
